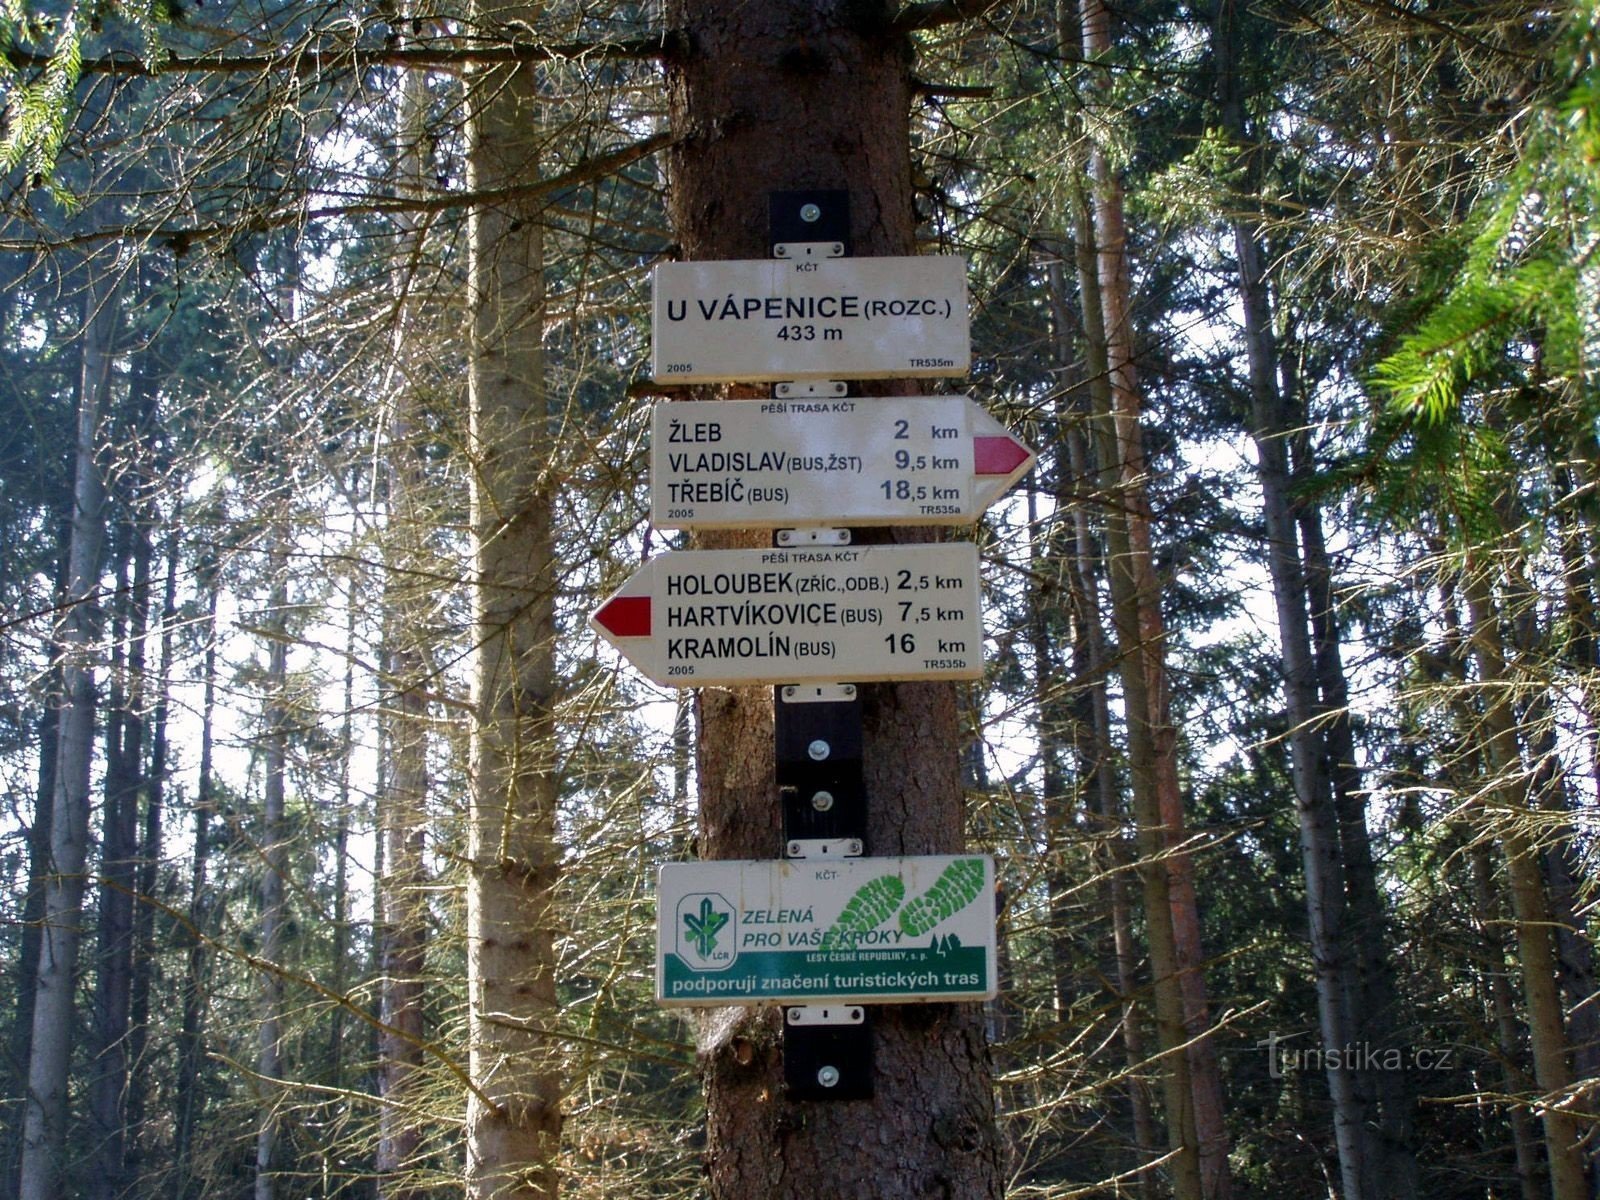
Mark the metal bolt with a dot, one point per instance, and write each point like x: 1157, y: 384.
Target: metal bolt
x: 819, y: 750
x: 849, y: 691
x: 809, y: 213
x: 794, y: 849
x: 828, y: 1076
x: 855, y: 846
x: 822, y: 801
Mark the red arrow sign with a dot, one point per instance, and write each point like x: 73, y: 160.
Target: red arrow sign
x: 998, y: 455
x: 625, y: 616
x: 850, y: 613
x: 835, y: 460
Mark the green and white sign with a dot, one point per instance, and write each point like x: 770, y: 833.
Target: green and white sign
x: 862, y: 930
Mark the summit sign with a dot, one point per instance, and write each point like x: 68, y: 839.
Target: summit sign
x: 766, y: 320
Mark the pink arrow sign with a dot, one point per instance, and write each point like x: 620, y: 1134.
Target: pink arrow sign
x: 789, y: 462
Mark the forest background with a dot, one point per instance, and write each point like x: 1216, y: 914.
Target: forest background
x: 1289, y: 742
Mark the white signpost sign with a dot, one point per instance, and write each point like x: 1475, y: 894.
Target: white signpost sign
x: 858, y: 613
x: 922, y: 460
x: 861, y: 930
x: 834, y: 318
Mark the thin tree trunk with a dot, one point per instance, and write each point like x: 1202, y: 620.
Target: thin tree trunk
x: 1523, y: 1139
x: 1191, y: 1084
x: 119, y: 847
x: 1529, y: 904
x: 191, y: 1030
x: 754, y: 93
x: 27, y: 965
x: 150, y: 868
x: 1150, y: 844
x: 340, y: 979
x: 402, y: 805
x: 274, y: 859
x: 45, y: 1113
x: 1322, y: 862
x: 513, y: 1118
x: 1367, y: 938
x: 1094, y: 749
x: 1053, y: 729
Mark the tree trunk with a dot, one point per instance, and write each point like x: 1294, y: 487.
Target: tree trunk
x: 1367, y: 938
x: 340, y: 951
x: 1191, y: 1084
x: 1094, y: 749
x: 27, y: 965
x: 45, y: 1114
x: 754, y: 97
x: 1529, y: 904
x: 402, y: 804
x: 1321, y: 859
x: 119, y: 847
x: 191, y: 1030
x: 1524, y: 1142
x: 274, y: 865
x: 513, y: 1118
x: 144, y: 947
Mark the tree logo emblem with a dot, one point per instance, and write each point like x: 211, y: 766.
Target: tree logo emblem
x: 708, y: 930
x: 703, y: 929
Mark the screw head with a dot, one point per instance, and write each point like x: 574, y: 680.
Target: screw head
x: 810, y: 213
x: 822, y: 801
x: 828, y: 1076
x: 819, y: 750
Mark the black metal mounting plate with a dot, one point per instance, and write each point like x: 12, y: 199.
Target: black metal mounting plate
x: 809, y: 1050
x: 787, y: 214
x: 835, y: 777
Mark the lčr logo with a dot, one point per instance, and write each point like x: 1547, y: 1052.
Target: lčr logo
x: 707, y: 931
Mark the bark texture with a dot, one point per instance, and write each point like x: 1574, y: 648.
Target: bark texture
x: 45, y: 1114
x: 513, y: 1116
x: 755, y: 93
x: 402, y: 803
x: 1530, y: 905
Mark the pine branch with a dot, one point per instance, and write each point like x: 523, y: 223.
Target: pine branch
x: 312, y: 58
x: 182, y: 238
x: 930, y: 14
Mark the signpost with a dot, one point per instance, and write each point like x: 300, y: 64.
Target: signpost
x: 823, y: 927
x: 922, y: 460
x: 863, y: 930
x: 698, y: 617
x: 831, y: 318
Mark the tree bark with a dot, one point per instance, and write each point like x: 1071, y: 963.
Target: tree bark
x: 754, y: 98
x: 1094, y: 749
x: 1524, y: 1141
x: 1191, y: 1083
x: 144, y: 947
x: 513, y: 1118
x: 402, y: 804
x: 1320, y: 854
x: 45, y: 1114
x: 191, y: 1029
x: 274, y: 864
x: 119, y: 825
x: 1529, y: 904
